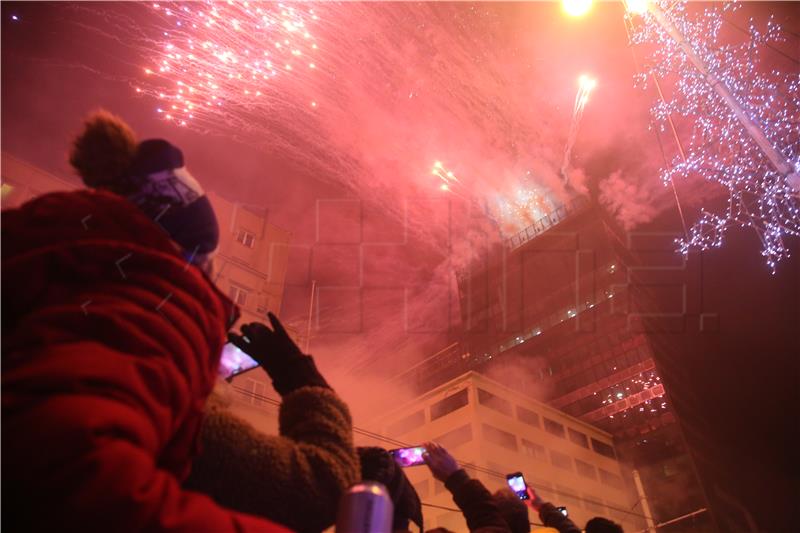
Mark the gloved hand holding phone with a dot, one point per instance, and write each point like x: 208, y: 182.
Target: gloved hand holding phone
x: 439, y: 460
x: 287, y: 366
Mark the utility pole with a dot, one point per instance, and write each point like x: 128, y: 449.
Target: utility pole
x: 310, y: 313
x: 648, y: 517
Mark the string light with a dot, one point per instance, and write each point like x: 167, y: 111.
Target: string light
x: 762, y: 196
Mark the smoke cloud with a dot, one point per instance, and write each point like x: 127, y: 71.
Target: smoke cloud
x: 627, y: 199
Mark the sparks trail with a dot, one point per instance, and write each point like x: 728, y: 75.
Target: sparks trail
x: 367, y: 105
x: 585, y: 87
x: 216, y: 56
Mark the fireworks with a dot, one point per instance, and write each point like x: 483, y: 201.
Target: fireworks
x: 745, y: 136
x: 215, y: 55
x: 526, y: 204
x: 448, y: 178
x: 585, y: 86
x: 359, y: 104
x: 511, y: 210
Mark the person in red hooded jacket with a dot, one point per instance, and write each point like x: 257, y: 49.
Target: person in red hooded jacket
x: 111, y: 341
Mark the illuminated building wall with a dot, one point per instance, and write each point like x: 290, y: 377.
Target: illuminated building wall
x: 553, y: 316
x: 496, y: 431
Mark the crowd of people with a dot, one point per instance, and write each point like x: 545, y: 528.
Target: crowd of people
x: 114, y: 416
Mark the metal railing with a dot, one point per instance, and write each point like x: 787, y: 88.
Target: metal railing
x: 555, y: 216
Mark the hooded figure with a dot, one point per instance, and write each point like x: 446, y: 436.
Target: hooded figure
x: 111, y: 343
x: 378, y: 465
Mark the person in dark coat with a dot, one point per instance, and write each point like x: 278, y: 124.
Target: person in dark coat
x: 550, y: 515
x: 598, y: 524
x: 111, y: 342
x: 297, y: 477
x: 513, y: 510
x: 378, y: 465
x: 476, y: 503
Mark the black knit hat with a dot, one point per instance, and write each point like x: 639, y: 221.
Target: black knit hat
x: 150, y: 174
x: 175, y: 200
x: 156, y: 155
x: 378, y: 465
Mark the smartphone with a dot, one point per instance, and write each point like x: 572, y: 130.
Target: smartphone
x: 408, y: 456
x: 563, y: 510
x: 234, y: 361
x: 518, y: 485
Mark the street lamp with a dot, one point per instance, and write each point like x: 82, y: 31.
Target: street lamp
x: 576, y: 8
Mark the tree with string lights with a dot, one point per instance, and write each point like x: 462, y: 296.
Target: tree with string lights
x: 745, y: 119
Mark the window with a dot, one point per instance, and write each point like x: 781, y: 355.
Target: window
x: 585, y: 469
x: 531, y: 449
x: 456, y: 437
x: 578, y: 438
x: 499, y: 437
x: 497, y: 467
x: 612, y: 480
x: 246, y: 238
x: 494, y: 402
x: 449, y: 404
x: 554, y: 428
x: 254, y: 392
x: 603, y: 449
x: 526, y: 416
x: 238, y: 295
x: 406, y: 424
x: 560, y: 460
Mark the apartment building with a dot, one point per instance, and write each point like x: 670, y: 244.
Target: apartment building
x: 494, y: 431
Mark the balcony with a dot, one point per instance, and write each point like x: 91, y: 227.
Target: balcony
x: 547, y: 222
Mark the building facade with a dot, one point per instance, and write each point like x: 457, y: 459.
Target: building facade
x: 554, y: 313
x: 251, y: 261
x: 494, y: 431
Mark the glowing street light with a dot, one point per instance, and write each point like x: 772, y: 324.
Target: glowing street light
x: 576, y: 8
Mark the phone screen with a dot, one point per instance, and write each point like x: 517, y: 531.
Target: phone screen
x: 517, y: 484
x: 408, y: 456
x: 234, y: 361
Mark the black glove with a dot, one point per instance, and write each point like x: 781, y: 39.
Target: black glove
x: 279, y: 356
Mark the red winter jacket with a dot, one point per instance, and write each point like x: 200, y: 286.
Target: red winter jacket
x: 110, y: 344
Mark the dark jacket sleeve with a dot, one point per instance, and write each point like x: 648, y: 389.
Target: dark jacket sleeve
x: 296, y: 478
x: 552, y: 517
x: 476, y: 503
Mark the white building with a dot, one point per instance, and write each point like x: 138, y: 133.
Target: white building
x: 493, y: 431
